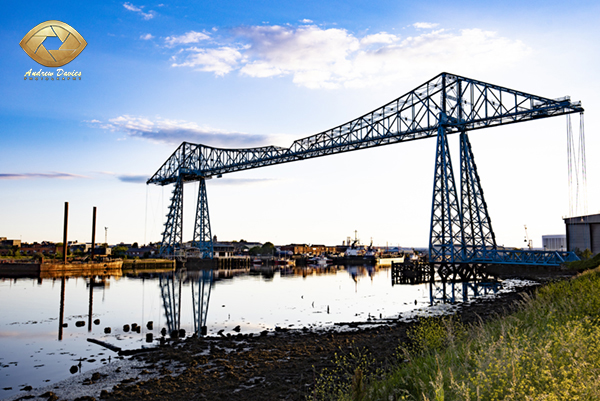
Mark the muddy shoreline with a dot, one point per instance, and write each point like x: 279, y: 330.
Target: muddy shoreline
x: 280, y: 365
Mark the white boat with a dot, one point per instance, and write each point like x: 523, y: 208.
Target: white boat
x: 319, y: 261
x: 388, y: 261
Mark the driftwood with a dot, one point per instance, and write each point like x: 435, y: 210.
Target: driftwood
x: 104, y: 344
x: 127, y: 352
x: 122, y: 352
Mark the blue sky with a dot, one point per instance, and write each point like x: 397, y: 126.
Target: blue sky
x: 240, y: 74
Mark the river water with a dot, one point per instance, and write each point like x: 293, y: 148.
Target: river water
x: 31, y: 352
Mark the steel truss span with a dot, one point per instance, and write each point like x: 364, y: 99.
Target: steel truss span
x: 454, y: 102
x: 444, y: 105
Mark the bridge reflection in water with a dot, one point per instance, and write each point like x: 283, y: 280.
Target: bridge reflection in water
x: 176, y: 286
x: 452, y: 292
x: 459, y: 285
x: 464, y: 282
x: 201, y: 283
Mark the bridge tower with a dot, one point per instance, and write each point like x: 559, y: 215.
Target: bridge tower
x: 172, y: 240
x: 203, y: 239
x: 459, y: 234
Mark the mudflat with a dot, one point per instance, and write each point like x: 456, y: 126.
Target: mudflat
x: 283, y: 364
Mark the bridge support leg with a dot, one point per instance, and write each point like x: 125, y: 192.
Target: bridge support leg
x: 445, y: 237
x: 201, y: 298
x: 173, y: 234
x: 202, y: 234
x: 170, y: 290
x: 477, y: 232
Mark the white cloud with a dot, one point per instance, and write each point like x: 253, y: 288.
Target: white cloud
x: 381, y: 37
x: 135, y: 179
x: 221, y: 61
x: 306, y: 21
x: 176, y: 131
x: 149, y: 15
x: 243, y: 181
x: 25, y: 176
x: 146, y: 37
x: 187, y: 38
x: 317, y: 57
x: 424, y: 25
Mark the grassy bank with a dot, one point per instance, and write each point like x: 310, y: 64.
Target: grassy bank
x: 549, y: 349
x: 585, y: 264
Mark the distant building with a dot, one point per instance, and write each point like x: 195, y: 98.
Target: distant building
x: 305, y: 249
x: 11, y: 242
x: 223, y: 249
x: 102, y: 251
x: 45, y: 248
x: 296, y: 249
x: 583, y: 232
x: 80, y: 246
x: 7, y: 245
x: 140, y: 252
x: 316, y: 249
x: 554, y: 242
x: 242, y: 247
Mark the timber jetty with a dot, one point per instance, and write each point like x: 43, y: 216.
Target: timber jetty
x: 52, y: 269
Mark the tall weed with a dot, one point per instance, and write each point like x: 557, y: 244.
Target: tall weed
x: 547, y: 350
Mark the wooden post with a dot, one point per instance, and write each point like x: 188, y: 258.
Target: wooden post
x: 91, y: 302
x: 61, y: 318
x: 65, y: 232
x: 93, y: 234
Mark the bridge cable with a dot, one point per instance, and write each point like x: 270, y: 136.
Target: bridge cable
x: 577, y: 171
x: 146, y: 217
x: 582, y: 160
x: 570, y: 163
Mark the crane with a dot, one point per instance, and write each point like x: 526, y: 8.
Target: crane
x: 527, y: 240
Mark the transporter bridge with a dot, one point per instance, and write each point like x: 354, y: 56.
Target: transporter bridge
x: 461, y: 234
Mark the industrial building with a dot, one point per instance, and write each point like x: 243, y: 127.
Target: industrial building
x: 554, y: 242
x: 583, y: 232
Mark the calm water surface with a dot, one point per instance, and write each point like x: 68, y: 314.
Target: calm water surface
x: 32, y: 354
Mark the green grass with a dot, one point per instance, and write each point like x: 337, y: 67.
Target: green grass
x: 18, y: 257
x: 586, y: 264
x: 548, y: 350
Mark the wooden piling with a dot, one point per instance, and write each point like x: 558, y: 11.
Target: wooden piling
x: 93, y: 233
x: 65, y: 232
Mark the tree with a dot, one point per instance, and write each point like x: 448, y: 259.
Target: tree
x: 135, y: 245
x: 119, y: 251
x: 586, y: 254
x: 255, y: 250
x: 268, y: 248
